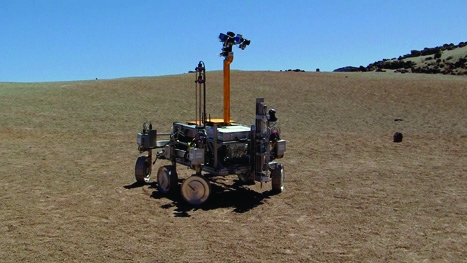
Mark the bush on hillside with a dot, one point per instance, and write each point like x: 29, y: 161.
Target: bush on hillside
x: 415, y: 53
x: 431, y: 63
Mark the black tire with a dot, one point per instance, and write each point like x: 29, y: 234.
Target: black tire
x: 142, y: 171
x: 196, y: 190
x: 167, y: 179
x: 277, y: 178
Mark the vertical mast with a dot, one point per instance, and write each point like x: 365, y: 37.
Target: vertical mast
x: 227, y: 62
x: 228, y: 41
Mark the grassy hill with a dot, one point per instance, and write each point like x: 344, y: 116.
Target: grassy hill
x: 447, y: 59
x: 68, y: 152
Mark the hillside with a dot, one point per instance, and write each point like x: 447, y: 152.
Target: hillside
x: 67, y: 166
x: 447, y: 59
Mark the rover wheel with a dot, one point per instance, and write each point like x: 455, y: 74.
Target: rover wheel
x: 196, y: 190
x: 142, y: 171
x: 167, y: 179
x: 277, y: 178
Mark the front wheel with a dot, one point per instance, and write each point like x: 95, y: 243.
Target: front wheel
x: 142, y: 169
x: 196, y: 190
x: 167, y: 179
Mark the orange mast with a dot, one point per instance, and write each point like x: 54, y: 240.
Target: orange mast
x: 227, y: 62
x: 228, y: 40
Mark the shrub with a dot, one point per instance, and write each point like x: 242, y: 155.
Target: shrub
x: 409, y: 64
x: 430, y: 51
x: 451, y: 46
x: 415, y: 53
x: 460, y: 63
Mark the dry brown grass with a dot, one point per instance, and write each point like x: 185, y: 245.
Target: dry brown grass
x: 352, y: 195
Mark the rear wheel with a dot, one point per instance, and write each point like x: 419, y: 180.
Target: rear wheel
x: 277, y: 178
x: 196, y: 190
x: 167, y: 179
x: 142, y: 169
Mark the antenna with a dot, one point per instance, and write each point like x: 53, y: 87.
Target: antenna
x: 200, y: 94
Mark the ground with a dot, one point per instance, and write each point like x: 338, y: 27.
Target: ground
x: 68, y: 151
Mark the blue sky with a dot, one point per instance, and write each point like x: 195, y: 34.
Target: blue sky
x: 61, y: 40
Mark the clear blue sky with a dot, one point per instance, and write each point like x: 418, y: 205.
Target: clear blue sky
x: 60, y: 40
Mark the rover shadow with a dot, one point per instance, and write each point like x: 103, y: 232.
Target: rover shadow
x: 135, y: 185
x: 177, y: 202
x: 236, y: 196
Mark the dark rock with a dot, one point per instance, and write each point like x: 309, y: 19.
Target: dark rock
x: 398, y: 137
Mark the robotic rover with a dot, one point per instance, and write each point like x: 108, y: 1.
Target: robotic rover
x: 214, y: 147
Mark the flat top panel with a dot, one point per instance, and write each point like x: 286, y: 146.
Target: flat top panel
x: 233, y: 128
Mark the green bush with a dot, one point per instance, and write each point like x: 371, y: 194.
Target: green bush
x: 415, y: 53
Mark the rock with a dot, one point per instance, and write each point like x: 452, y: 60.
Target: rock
x: 398, y: 137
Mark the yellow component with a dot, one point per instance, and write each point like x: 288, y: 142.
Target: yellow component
x: 211, y: 121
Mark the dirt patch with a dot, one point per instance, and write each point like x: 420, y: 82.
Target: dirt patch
x: 352, y: 194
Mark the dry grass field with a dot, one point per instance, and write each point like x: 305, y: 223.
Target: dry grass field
x: 68, y: 151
